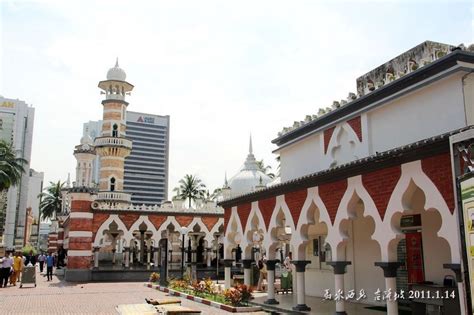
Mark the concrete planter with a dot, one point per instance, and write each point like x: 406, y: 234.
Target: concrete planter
x: 228, y: 308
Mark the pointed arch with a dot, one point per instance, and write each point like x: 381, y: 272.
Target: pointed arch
x: 105, y: 225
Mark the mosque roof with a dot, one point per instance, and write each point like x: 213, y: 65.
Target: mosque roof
x: 249, y: 177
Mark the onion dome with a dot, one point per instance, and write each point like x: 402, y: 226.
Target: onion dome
x: 116, y: 73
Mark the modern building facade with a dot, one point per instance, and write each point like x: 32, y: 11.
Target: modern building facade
x: 16, y: 127
x: 146, y: 168
x: 35, y: 187
x: 367, y: 199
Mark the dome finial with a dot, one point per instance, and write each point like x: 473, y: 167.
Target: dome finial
x: 116, y: 63
x: 250, y: 145
x: 225, y: 180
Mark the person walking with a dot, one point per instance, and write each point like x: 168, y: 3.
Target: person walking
x: 17, y: 269
x: 262, y: 274
x: 7, y: 263
x: 49, y: 266
x: 30, y: 259
x: 41, y: 259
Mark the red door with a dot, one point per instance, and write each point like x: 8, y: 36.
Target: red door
x: 414, y: 257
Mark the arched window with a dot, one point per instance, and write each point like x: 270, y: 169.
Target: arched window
x: 112, y: 184
x: 115, y: 130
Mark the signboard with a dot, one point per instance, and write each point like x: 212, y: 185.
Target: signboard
x: 146, y: 120
x: 414, y: 257
x: 467, y: 201
x: 7, y: 104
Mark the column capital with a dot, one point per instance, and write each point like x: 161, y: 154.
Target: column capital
x: 456, y: 268
x: 126, y: 249
x: 300, y: 264
x: 271, y: 264
x: 389, y: 268
x: 96, y: 248
x: 228, y: 262
x: 339, y: 266
x: 247, y: 263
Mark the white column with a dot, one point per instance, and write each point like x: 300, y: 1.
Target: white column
x: 209, y: 256
x: 227, y: 273
x: 339, y: 285
x: 126, y: 251
x: 155, y: 256
x: 131, y: 256
x: 392, y: 304
x: 247, y: 263
x: 96, y: 257
x: 271, y: 282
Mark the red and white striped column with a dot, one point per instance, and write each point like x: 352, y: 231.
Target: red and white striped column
x: 80, y: 236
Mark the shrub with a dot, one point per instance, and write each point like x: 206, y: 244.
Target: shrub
x: 177, y: 284
x: 27, y: 249
x: 233, y: 296
x: 245, y: 291
x: 199, y: 288
x: 154, y: 277
x: 209, y: 286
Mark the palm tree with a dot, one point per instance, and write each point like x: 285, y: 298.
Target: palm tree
x: 265, y: 169
x: 11, y: 166
x: 191, y: 188
x: 51, y: 200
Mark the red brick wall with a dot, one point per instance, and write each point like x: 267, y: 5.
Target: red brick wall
x: 295, y: 200
x: 266, y: 207
x: 184, y: 220
x: 77, y: 262
x: 438, y: 169
x: 244, y: 212
x: 97, y: 221
x: 157, y: 220
x: 80, y: 224
x: 355, y: 123
x: 331, y: 195
x: 128, y: 219
x: 380, y: 185
x: 209, y: 222
x: 80, y: 243
x: 80, y: 205
x: 327, y: 137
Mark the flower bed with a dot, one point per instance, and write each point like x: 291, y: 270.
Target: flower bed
x: 204, y: 300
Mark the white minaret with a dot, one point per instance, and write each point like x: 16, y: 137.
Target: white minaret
x: 112, y: 146
x: 85, y: 155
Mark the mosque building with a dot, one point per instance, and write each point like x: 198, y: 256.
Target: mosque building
x: 100, y: 227
x: 367, y: 199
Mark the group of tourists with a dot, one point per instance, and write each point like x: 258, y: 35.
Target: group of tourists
x: 12, y: 266
x: 286, y: 280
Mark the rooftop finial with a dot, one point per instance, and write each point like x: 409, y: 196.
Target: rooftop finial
x: 225, y: 179
x: 116, y: 63
x: 250, y: 145
x: 68, y: 182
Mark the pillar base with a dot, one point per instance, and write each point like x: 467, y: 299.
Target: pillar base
x: 302, y: 307
x: 271, y: 302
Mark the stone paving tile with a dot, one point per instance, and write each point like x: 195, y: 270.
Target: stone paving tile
x: 59, y: 297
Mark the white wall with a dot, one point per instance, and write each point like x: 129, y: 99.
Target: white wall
x: 433, y: 110
x: 430, y: 111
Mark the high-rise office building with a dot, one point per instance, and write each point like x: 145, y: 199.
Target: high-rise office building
x: 16, y: 128
x: 146, y: 168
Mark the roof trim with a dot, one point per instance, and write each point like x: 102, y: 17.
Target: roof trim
x: 387, y: 90
x: 397, y: 156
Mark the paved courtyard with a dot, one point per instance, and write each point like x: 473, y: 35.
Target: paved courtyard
x: 59, y: 297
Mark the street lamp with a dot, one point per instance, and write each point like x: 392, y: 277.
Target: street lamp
x: 183, y: 231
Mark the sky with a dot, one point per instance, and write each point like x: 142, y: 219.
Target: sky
x: 222, y: 70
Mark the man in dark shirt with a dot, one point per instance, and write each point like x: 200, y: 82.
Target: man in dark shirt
x: 30, y: 259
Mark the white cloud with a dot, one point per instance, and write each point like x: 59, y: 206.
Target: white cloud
x: 220, y: 69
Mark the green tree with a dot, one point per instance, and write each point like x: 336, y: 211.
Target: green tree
x: 266, y: 169
x: 190, y: 188
x: 11, y: 166
x: 51, y: 200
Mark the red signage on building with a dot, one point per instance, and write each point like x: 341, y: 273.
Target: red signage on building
x: 414, y: 257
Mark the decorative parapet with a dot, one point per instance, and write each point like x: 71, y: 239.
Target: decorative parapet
x: 166, y: 207
x: 114, y: 196
x: 113, y: 142
x: 414, y: 59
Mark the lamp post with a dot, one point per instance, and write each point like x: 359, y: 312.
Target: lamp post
x: 183, y: 231
x: 217, y: 258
